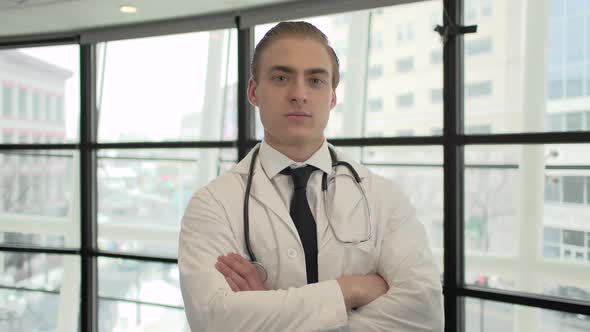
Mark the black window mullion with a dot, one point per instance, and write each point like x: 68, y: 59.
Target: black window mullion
x: 246, y: 119
x: 88, y: 283
x: 453, y: 170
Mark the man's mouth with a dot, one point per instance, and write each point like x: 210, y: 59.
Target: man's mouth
x: 298, y: 114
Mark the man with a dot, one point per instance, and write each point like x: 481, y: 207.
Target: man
x: 357, y: 261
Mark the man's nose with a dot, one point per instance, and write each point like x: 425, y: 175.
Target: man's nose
x: 298, y: 91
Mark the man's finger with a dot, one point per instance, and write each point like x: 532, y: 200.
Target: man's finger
x: 228, y: 272
x: 232, y: 284
x: 246, y: 270
x: 258, y: 282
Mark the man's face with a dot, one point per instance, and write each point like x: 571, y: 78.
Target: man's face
x: 294, y: 91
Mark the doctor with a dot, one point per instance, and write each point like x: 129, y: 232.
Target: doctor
x: 261, y: 247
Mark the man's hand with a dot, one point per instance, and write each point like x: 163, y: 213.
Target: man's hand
x: 240, y: 273
x: 361, y: 290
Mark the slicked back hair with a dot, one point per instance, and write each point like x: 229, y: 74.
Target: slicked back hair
x: 294, y: 29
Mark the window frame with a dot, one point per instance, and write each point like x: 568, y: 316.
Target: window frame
x: 453, y: 139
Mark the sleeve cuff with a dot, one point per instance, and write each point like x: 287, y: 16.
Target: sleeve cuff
x: 331, y: 306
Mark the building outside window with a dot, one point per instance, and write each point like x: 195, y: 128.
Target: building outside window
x: 479, y: 89
x: 23, y: 104
x: 375, y: 71
x: 436, y: 95
x: 405, y: 100
x: 478, y: 46
x: 375, y: 104
x: 7, y: 100
x: 405, y: 64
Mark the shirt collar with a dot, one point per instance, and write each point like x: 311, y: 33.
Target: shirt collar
x: 273, y: 161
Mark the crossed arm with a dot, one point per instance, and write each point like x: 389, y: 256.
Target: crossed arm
x: 242, y: 275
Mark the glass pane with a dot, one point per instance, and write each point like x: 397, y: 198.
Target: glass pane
x: 40, y: 94
x: 142, y: 195
x: 139, y: 296
x: 573, y: 189
x: 405, y: 68
x: 181, y: 87
x: 417, y: 170
x: 40, y: 198
x: 511, y: 99
x: 31, y: 293
x: 525, y: 219
x: 490, y: 316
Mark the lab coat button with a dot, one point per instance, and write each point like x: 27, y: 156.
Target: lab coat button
x: 292, y: 253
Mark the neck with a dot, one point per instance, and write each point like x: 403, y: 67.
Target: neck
x: 296, y: 152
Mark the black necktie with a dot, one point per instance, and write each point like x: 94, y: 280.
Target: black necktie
x: 303, y: 219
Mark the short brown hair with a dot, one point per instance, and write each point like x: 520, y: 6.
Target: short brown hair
x: 295, y: 29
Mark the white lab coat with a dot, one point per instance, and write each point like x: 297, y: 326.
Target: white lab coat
x: 398, y: 251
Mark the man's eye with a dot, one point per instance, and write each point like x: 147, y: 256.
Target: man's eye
x: 280, y: 78
x: 316, y: 81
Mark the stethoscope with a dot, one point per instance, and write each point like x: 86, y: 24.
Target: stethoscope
x: 335, y: 163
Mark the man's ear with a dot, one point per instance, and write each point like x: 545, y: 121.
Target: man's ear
x: 252, y: 97
x: 334, y: 100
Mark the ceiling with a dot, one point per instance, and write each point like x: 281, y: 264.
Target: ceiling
x: 29, y: 17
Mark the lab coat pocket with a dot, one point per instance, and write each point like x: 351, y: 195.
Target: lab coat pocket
x: 269, y: 260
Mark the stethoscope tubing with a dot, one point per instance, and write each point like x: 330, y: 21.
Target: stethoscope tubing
x: 335, y: 163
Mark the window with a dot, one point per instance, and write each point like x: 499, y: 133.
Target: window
x: 436, y: 95
x: 486, y: 8
x: 36, y: 106
x: 555, y: 122
x: 552, y: 186
x: 574, y: 121
x: 59, y: 110
x: 436, y: 56
x: 551, y: 234
x: 376, y: 42
x: 405, y: 100
x: 375, y: 71
x: 209, y: 81
x: 574, y: 83
x: 573, y: 238
x: 573, y: 189
x: 551, y: 242
x: 405, y: 64
x: 405, y: 32
x: 555, y: 89
x: 478, y: 46
x: 23, y: 105
x: 7, y: 100
x: 141, y: 192
x: 375, y: 104
x: 49, y: 107
x: 479, y: 89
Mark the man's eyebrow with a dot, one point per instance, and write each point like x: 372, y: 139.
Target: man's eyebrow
x: 291, y: 70
x: 285, y: 69
x: 314, y: 71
